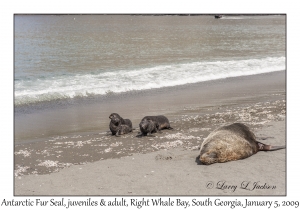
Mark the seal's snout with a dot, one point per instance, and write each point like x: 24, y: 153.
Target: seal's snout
x: 143, y: 125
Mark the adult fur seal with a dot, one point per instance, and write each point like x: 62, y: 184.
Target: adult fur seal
x: 232, y: 142
x: 116, y: 121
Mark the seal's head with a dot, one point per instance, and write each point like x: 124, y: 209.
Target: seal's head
x: 113, y: 115
x: 123, y: 129
x: 145, y: 123
x: 115, y: 118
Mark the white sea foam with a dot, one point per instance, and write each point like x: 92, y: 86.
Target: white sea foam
x: 82, y: 85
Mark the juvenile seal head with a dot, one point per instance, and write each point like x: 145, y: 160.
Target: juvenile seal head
x: 123, y: 129
x: 113, y: 115
x: 115, y: 119
x: 232, y: 142
x: 148, y: 126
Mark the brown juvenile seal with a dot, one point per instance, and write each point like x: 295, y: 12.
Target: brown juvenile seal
x: 161, y: 122
x: 123, y: 129
x: 232, y: 142
x: 116, y: 121
x: 148, y: 127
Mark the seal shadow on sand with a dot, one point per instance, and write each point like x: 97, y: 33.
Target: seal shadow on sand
x: 198, y: 160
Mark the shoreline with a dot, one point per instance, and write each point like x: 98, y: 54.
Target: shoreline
x: 165, y: 164
x: 91, y: 115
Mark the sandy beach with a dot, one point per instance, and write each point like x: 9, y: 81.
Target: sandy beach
x: 92, y: 162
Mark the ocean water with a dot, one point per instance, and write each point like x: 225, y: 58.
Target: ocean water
x: 61, y: 57
x: 70, y: 71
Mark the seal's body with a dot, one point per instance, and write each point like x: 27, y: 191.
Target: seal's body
x: 148, y: 127
x: 116, y: 121
x: 232, y: 142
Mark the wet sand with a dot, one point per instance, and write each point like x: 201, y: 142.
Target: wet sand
x: 96, y: 163
x: 43, y: 122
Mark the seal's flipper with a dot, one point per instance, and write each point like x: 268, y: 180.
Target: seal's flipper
x: 170, y: 128
x: 273, y: 148
x: 264, y: 147
x: 139, y: 135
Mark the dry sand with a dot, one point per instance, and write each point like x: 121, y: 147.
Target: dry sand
x: 100, y: 164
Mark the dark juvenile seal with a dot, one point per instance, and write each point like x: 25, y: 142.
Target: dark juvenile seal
x: 115, y: 123
x: 153, y: 124
x: 148, y: 127
x: 161, y: 122
x: 232, y: 142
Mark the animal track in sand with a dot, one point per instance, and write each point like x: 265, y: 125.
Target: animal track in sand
x: 163, y: 157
